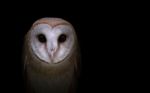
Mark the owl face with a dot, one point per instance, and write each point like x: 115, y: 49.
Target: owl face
x: 52, y: 44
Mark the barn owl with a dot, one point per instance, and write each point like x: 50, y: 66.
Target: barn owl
x: 51, y: 57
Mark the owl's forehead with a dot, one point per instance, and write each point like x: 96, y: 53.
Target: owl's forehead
x: 42, y: 27
x: 56, y: 25
x: 46, y: 28
x: 53, y: 22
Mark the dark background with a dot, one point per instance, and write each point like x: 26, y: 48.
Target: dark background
x: 105, y: 37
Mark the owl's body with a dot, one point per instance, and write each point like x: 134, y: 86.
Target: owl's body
x: 51, y: 71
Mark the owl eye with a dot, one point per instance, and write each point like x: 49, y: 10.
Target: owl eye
x: 62, y: 38
x: 41, y: 38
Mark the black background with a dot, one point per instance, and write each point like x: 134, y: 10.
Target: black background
x: 105, y: 38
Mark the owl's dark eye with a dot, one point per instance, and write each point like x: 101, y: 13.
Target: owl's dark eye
x: 41, y: 38
x: 62, y: 38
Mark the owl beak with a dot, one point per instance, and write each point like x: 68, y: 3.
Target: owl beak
x: 52, y: 52
x: 51, y: 48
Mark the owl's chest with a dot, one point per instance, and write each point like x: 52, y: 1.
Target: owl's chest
x: 51, y: 82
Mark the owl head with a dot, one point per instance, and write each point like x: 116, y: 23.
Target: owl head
x: 51, y: 39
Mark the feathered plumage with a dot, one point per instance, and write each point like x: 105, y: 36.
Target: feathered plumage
x: 42, y: 77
